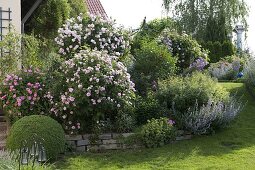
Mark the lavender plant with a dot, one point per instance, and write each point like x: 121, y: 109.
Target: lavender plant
x: 199, y: 64
x: 228, y: 112
x: 199, y: 120
x: 223, y: 70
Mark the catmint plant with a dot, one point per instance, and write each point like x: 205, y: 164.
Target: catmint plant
x: 199, y: 64
x: 199, y: 120
x: 222, y: 70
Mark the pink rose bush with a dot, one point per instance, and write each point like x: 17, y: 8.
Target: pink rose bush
x: 21, y: 94
x: 93, y: 86
x: 94, y: 32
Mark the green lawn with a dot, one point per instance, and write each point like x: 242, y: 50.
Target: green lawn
x: 231, y: 148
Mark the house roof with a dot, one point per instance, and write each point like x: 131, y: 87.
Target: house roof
x: 95, y: 7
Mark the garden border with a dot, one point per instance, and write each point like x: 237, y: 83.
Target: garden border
x: 108, y: 141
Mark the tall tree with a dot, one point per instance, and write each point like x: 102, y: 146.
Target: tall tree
x: 195, y: 15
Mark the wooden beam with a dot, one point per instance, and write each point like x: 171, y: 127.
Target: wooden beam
x: 29, y: 13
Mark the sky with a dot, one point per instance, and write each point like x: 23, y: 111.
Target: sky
x: 130, y: 13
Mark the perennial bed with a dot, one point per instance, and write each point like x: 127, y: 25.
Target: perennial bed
x: 163, y: 90
x: 232, y: 148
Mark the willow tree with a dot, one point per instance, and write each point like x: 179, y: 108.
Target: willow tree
x: 195, y: 16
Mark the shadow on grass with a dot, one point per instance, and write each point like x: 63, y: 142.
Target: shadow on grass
x: 240, y: 134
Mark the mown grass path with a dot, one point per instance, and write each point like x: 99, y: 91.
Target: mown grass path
x: 230, y: 148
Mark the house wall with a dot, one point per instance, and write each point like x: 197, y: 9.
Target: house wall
x: 15, y: 7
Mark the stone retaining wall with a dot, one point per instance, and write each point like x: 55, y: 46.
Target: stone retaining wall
x: 108, y: 141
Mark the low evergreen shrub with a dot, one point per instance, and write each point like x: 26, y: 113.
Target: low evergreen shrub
x: 46, y: 130
x: 157, y: 132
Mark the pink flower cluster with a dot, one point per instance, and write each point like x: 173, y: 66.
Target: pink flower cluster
x: 19, y: 96
x: 97, y: 33
x: 93, y: 79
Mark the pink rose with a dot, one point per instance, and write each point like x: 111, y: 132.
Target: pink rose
x: 4, y: 97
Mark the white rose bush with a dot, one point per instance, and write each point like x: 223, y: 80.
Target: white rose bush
x: 94, y: 32
x: 94, y: 85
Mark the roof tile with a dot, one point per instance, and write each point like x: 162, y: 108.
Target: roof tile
x: 95, y: 7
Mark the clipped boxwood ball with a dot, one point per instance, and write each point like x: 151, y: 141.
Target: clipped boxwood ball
x: 44, y: 127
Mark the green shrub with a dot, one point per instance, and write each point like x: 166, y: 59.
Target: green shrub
x: 148, y: 108
x: 34, y: 52
x: 216, y: 52
x: 228, y: 48
x: 152, y: 62
x: 45, y: 129
x: 10, y: 46
x: 184, y: 48
x: 43, y: 23
x: 152, y: 30
x: 30, y: 51
x: 157, y: 132
x: 77, y: 7
x: 37, y: 52
x: 183, y: 92
x: 124, y: 123
x: 219, y: 50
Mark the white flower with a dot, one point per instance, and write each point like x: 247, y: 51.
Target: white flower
x: 80, y: 86
x: 70, y: 90
x: 93, y: 41
x: 88, y: 94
